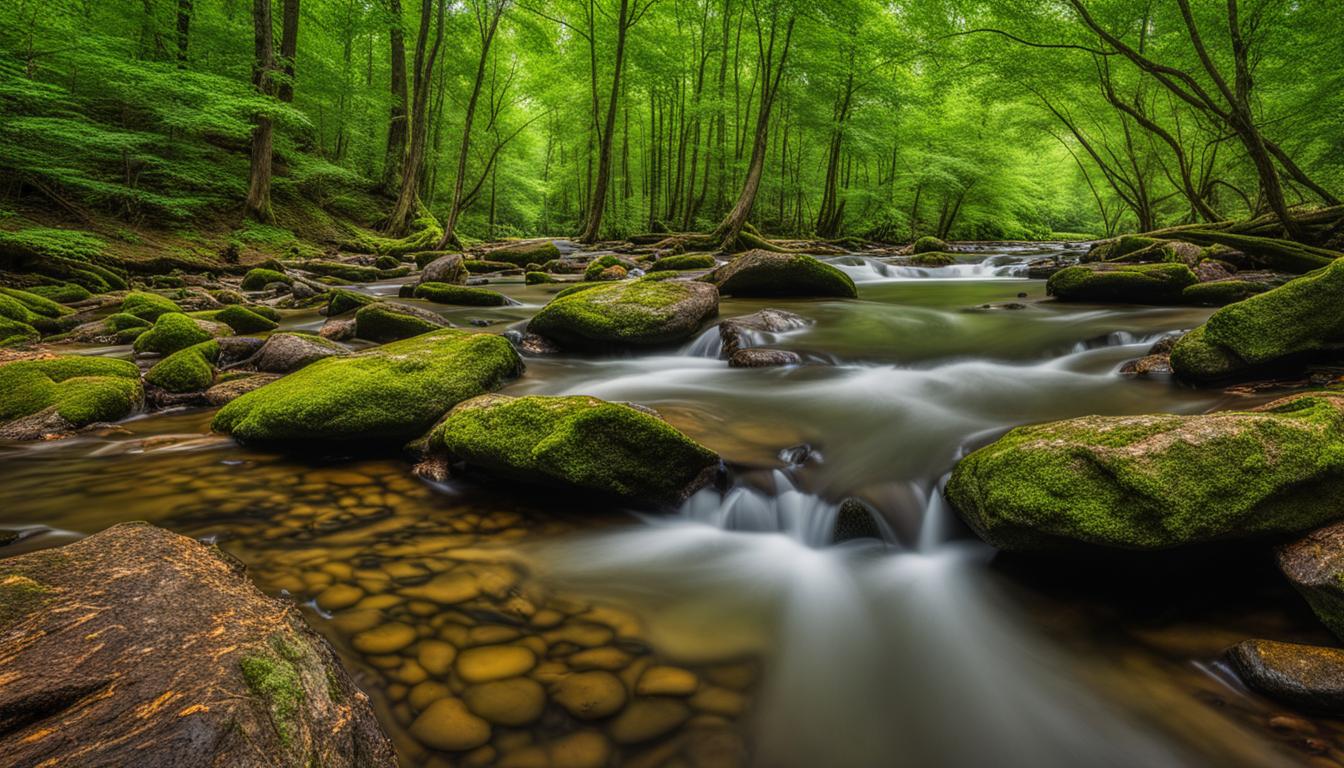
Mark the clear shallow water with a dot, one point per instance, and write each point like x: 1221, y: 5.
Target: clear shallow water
x: 922, y: 649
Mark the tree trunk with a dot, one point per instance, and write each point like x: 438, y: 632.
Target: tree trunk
x: 396, y: 125
x: 289, y: 47
x: 183, y: 31
x: 730, y: 230
x: 408, y: 198
x: 593, y: 227
x: 258, y: 203
x: 490, y: 24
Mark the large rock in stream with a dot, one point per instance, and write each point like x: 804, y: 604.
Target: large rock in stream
x: 1159, y: 481
x: 1125, y: 283
x: 1299, y: 321
x: 767, y: 274
x: 1307, y: 677
x: 43, y: 394
x: 140, y: 647
x: 389, y: 394
x: 1315, y: 566
x: 580, y: 443
x: 639, y: 313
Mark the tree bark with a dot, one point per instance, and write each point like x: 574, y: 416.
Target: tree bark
x: 396, y: 125
x: 184, y: 12
x: 258, y: 203
x: 408, y: 199
x: 289, y: 48
x: 593, y: 227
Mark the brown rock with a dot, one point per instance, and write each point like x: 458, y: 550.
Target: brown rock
x: 736, y: 333
x: 140, y: 647
x: 1149, y: 365
x: 1315, y: 566
x: 225, y: 391
x: 1306, y: 676
x: 763, y: 358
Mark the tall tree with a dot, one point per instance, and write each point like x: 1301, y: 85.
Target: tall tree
x: 426, y: 54
x: 289, y: 47
x: 394, y: 154
x: 258, y: 203
x: 183, y: 31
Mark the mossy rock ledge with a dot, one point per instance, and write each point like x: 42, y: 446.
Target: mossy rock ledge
x: 1300, y: 320
x: 578, y: 442
x: 46, y: 395
x: 639, y: 313
x: 1124, y: 283
x: 1314, y: 565
x: 137, y: 646
x: 767, y: 274
x: 389, y: 394
x: 1159, y: 481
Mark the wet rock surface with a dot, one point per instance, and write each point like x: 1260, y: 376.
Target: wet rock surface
x: 137, y: 646
x: 1306, y: 677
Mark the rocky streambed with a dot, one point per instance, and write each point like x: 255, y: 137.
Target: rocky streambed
x: 525, y: 586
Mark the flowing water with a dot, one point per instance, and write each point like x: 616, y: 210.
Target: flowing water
x: 738, y: 634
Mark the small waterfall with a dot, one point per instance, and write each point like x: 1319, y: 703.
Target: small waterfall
x: 804, y: 517
x: 707, y: 344
x: 867, y: 270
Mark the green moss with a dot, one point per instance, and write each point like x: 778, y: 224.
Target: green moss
x: 14, y: 333
x: 387, y: 262
x: 929, y: 244
x: 1150, y: 482
x: 170, y: 333
x: 340, y: 301
x: 576, y: 288
x: 36, y: 304
x: 46, y: 242
x: 1110, y: 250
x: 257, y: 279
x: 1300, y: 317
x: 481, y: 266
x: 444, y: 293
x: 1197, y: 359
x: 167, y: 281
x: 82, y: 389
x: 389, y: 394
x: 243, y: 320
x: 933, y: 259
x: 1128, y: 283
x: 20, y: 596
x: 186, y: 370
x: 537, y: 278
x: 579, y: 442
x: 764, y: 274
x: 147, y: 306
x: 1221, y: 292
x: 522, y: 254
x: 65, y: 293
x: 598, y: 266
x: 382, y: 321
x: 276, y: 681
x: 688, y: 261
x: 226, y: 296
x: 638, y: 313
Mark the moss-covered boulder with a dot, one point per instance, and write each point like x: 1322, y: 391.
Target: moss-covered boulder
x: 16, y: 334
x: 767, y: 274
x: 140, y: 647
x: 447, y: 268
x: 38, y: 305
x: 1220, y: 293
x: 444, y: 293
x: 537, y: 278
x: 933, y: 259
x: 1314, y: 565
x: 65, y: 293
x: 1158, y: 481
x: 20, y: 313
x: 352, y: 273
x: 126, y: 328
x: 485, y: 266
x: 580, y: 443
x: 642, y: 313
x: 388, y: 321
x: 390, y: 394
x: 608, y: 267
x: 340, y: 301
x: 929, y: 244
x: 175, y: 331
x: 684, y: 262
x: 258, y: 279
x: 244, y: 320
x: 1110, y: 250
x: 1122, y: 283
x: 1195, y: 358
x: 186, y: 370
x: 524, y: 253
x: 54, y: 395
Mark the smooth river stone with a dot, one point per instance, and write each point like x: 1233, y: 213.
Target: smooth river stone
x: 583, y: 749
x: 385, y: 639
x: 606, y: 658
x: 448, y: 725
x: 426, y: 693
x: 719, y: 701
x: 445, y: 589
x: 648, y: 719
x: 435, y: 656
x: 494, y: 662
x: 590, y: 695
x: 513, y: 702
x: 667, y: 681
x: 339, y: 596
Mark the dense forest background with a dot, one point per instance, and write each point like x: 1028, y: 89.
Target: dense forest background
x: 884, y: 119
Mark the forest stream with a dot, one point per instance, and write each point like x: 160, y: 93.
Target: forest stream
x: 734, y: 632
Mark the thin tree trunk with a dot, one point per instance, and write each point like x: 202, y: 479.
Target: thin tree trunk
x: 396, y: 125
x: 184, y: 12
x: 289, y: 47
x: 593, y: 227
x: 408, y: 198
